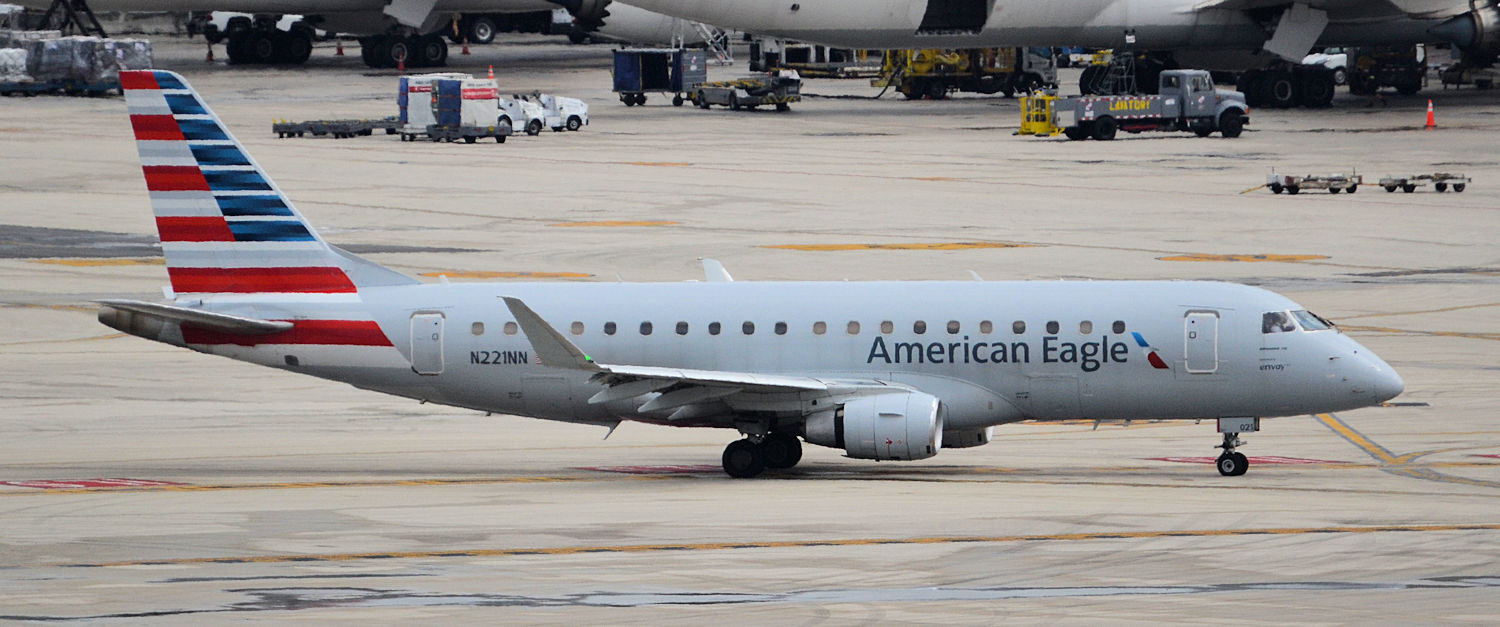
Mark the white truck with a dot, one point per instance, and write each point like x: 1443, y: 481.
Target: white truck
x: 535, y: 112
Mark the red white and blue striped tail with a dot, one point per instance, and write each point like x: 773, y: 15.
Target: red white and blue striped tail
x: 224, y: 225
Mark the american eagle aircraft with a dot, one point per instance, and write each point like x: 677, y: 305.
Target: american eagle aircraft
x: 883, y: 370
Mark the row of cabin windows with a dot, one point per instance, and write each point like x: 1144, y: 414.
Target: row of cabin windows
x: 819, y: 328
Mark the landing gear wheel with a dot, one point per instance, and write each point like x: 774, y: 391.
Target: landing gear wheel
x: 481, y: 30
x: 433, y: 51
x: 397, y: 50
x: 238, y: 47
x: 781, y: 450
x: 1232, y: 464
x: 262, y: 48
x: 298, y: 46
x: 1280, y: 90
x: 743, y: 459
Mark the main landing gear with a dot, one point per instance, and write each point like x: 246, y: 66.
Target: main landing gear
x: 751, y: 456
x: 389, y: 50
x: 1230, y: 462
x: 261, y: 42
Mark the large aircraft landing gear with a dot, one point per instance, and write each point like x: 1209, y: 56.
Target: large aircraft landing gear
x: 388, y: 50
x: 262, y: 43
x: 747, y: 458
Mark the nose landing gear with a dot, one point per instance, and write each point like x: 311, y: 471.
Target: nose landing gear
x: 1231, y: 463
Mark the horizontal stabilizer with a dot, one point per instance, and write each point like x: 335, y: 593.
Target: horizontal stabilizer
x: 206, y: 319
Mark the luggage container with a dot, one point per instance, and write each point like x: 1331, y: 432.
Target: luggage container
x: 414, y: 101
x: 466, y: 109
x: 666, y: 70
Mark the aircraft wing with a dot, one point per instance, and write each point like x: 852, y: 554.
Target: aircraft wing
x: 1352, y: 9
x: 689, y: 393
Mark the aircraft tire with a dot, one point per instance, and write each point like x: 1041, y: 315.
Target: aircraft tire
x: 1232, y: 464
x: 237, y: 47
x: 295, y: 47
x: 432, y: 51
x: 743, y: 459
x: 481, y: 30
x: 781, y: 450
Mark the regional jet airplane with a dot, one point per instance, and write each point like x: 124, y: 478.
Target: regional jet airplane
x: 883, y: 370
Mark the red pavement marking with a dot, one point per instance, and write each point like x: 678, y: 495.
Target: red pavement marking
x: 656, y: 470
x: 73, y: 484
x: 1269, y: 459
x: 1490, y: 455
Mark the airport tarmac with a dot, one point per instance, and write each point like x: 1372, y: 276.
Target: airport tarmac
x: 141, y: 481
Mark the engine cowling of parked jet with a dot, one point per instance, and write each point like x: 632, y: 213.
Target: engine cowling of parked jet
x: 1476, y: 33
x: 896, y: 426
x: 587, y: 14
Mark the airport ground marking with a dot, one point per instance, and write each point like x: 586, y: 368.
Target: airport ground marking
x: 1459, y: 334
x: 487, y: 274
x: 615, y: 223
x: 1250, y: 258
x: 913, y: 246
x: 1392, y: 463
x: 782, y: 544
x: 90, y: 262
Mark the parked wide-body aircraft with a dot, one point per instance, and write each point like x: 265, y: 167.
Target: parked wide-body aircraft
x: 883, y: 370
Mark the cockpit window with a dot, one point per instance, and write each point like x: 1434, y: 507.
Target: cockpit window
x: 1277, y: 322
x: 1311, y: 321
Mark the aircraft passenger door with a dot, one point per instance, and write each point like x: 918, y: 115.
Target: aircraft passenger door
x: 427, y: 343
x: 1200, y: 339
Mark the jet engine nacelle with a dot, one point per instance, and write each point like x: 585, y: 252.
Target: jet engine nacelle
x: 1476, y: 33
x: 588, y: 14
x: 896, y: 426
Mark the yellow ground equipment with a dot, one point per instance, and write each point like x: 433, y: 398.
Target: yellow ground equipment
x: 932, y: 73
x: 1036, y: 116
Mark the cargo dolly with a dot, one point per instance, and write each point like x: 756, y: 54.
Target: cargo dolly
x: 780, y: 90
x: 1334, y: 183
x: 1440, y: 181
x: 466, y: 134
x: 339, y: 129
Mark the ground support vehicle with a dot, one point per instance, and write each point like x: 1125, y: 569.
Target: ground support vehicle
x: 339, y: 129
x: 813, y: 60
x: 1334, y: 183
x: 1440, y: 181
x: 467, y: 134
x: 1460, y: 74
x: 1186, y: 101
x: 1403, y: 68
x: 933, y: 73
x: 522, y: 115
x: 780, y: 90
x: 667, y: 70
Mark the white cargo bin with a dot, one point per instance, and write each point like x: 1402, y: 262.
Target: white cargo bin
x: 481, y: 102
x: 419, y: 98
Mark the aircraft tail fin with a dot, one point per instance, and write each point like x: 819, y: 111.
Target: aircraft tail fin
x: 224, y: 225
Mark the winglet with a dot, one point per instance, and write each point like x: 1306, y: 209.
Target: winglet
x: 714, y: 272
x: 552, y: 348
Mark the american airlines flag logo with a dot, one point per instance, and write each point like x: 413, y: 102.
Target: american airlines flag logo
x: 1151, y: 354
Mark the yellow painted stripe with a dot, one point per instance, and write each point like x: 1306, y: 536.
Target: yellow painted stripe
x: 85, y: 262
x: 928, y: 246
x: 291, y: 485
x: 660, y: 164
x: 835, y: 542
x: 1358, y: 439
x: 1244, y: 258
x: 608, y: 223
x: 1462, y: 334
x: 483, y: 274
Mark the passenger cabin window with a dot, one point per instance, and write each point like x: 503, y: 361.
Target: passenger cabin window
x: 820, y: 327
x: 919, y: 327
x: 511, y: 328
x: 887, y: 327
x: 682, y: 328
x: 609, y: 328
x: 1053, y: 327
x: 1086, y: 327
x: 986, y: 327
x: 713, y: 328
x: 1276, y: 322
x: 781, y: 328
x: 1018, y: 327
x: 1119, y: 327
x: 748, y: 328
x: 477, y: 328
x: 1311, y: 321
x: 852, y: 328
x: 645, y: 328
x: 577, y: 328
x: 953, y: 327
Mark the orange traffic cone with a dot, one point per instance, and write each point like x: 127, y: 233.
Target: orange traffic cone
x: 340, y: 51
x: 401, y: 64
x: 466, y: 46
x: 210, y: 58
x: 492, y: 72
x: 1431, y: 121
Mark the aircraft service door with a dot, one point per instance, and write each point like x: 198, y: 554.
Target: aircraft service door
x: 427, y: 343
x: 1200, y: 338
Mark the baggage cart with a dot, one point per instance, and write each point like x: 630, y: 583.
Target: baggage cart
x: 672, y: 71
x: 1440, y: 181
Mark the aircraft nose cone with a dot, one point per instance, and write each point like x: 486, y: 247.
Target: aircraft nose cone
x: 1388, y: 384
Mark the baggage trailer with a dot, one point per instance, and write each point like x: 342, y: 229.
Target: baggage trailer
x: 1440, y: 181
x: 780, y: 89
x: 1334, y: 183
x: 467, y: 134
x: 1186, y: 100
x: 667, y: 70
x: 339, y: 129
